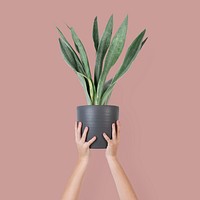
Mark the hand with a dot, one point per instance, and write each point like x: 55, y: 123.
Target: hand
x: 111, y: 150
x: 82, y: 146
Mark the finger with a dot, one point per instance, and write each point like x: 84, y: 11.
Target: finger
x: 79, y: 130
x: 84, y: 134
x: 106, y: 137
x: 75, y: 125
x: 75, y: 128
x: 118, y: 129
x: 91, y: 140
x: 113, y: 131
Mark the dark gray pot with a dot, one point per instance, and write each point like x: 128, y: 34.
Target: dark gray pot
x: 99, y: 119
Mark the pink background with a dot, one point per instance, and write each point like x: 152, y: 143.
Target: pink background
x: 158, y: 99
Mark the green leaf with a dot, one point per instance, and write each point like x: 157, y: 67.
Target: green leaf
x: 79, y: 64
x: 72, y: 62
x: 95, y: 34
x: 83, y: 83
x: 74, y: 42
x: 90, y: 86
x: 106, y: 95
x: 116, y: 46
x: 143, y: 42
x: 102, y: 49
x: 68, y: 55
x: 106, y: 85
x: 105, y: 99
x: 131, y: 54
x: 113, y: 54
x: 82, y: 52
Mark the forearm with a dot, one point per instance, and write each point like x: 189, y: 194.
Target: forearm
x: 122, y: 183
x: 73, y: 186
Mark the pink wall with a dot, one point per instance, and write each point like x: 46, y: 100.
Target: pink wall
x: 158, y: 99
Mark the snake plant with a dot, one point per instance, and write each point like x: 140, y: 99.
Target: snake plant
x: 98, y: 90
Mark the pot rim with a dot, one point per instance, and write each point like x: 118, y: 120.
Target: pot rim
x: 80, y: 106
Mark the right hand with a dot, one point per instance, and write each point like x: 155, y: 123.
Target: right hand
x: 111, y: 150
x: 82, y: 146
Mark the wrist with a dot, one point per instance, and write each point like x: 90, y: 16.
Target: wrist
x: 111, y: 157
x: 83, y: 160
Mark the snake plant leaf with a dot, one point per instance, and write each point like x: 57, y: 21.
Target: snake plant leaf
x: 131, y: 54
x: 64, y: 39
x: 91, y: 89
x: 74, y: 42
x: 68, y: 55
x: 143, y: 42
x: 76, y: 47
x: 106, y: 102
x: 84, y: 85
x: 106, y: 95
x: 116, y: 46
x: 82, y: 52
x: 95, y: 33
x: 71, y: 61
x: 79, y: 64
x: 102, y: 49
x: 113, y: 54
x: 106, y: 85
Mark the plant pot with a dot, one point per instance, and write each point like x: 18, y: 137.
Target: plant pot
x: 98, y: 119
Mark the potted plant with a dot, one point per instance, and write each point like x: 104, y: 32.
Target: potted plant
x: 97, y: 115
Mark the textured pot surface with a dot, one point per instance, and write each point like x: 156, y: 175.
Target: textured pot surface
x: 99, y: 119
